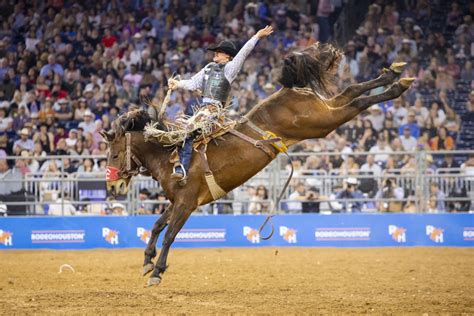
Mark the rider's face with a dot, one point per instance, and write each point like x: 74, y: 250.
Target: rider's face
x: 221, y: 58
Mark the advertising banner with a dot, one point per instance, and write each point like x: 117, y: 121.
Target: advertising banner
x: 364, y: 230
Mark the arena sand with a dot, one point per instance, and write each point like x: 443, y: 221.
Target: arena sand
x: 267, y: 280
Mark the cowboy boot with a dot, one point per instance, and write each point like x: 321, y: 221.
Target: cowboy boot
x: 180, y: 170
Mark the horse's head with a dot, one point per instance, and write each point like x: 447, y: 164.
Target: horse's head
x: 116, y: 175
x: 122, y: 162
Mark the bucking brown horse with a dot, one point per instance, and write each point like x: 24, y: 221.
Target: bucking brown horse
x: 302, y: 109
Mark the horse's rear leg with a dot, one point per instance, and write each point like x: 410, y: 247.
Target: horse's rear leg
x: 179, y: 216
x: 355, y: 90
x: 150, y: 251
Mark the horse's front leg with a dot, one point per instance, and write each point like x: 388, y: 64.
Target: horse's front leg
x: 150, y: 251
x: 179, y: 216
x: 355, y: 90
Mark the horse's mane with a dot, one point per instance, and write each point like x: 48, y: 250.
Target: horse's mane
x: 312, y: 67
x: 134, y: 120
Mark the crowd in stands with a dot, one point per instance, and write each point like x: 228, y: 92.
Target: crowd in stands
x: 68, y: 69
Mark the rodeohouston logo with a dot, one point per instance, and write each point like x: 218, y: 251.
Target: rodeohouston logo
x: 252, y: 235
x: 110, y: 236
x: 398, y: 233
x: 6, y: 238
x: 288, y: 234
x: 57, y: 236
x: 468, y: 233
x: 435, y: 234
x: 201, y: 235
x: 143, y: 234
x: 342, y: 234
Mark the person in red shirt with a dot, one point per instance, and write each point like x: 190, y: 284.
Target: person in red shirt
x: 109, y: 39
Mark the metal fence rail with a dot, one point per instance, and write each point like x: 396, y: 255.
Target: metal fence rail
x: 42, y: 189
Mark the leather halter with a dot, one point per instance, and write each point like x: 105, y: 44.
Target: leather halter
x: 129, y: 156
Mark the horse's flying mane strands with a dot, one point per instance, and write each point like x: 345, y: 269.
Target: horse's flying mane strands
x: 312, y: 67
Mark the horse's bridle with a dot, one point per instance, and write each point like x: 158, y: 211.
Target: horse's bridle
x: 113, y: 173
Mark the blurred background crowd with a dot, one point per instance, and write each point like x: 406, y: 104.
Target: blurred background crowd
x: 68, y: 69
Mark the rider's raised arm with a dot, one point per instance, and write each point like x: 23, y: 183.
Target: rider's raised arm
x: 194, y: 83
x: 233, y: 67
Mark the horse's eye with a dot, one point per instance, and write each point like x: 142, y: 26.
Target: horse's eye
x: 115, y: 156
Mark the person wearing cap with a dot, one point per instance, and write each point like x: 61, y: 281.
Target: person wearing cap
x: 118, y: 209
x: 64, y: 113
x: 411, y: 124
x: 377, y: 117
x: 349, y: 192
x: 215, y: 81
x: 88, y: 124
x: 24, y: 143
x: 408, y: 142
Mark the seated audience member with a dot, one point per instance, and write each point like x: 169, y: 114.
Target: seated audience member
x: 294, y: 200
x: 62, y: 207
x: 442, y: 141
x: 409, y: 142
x: 118, y: 209
x: 390, y: 190
x: 439, y: 197
x: 350, y: 191
x: 259, y: 202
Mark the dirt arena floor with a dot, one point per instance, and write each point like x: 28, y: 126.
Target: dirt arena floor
x: 268, y: 280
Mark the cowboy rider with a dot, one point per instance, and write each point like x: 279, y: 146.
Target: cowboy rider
x: 215, y: 81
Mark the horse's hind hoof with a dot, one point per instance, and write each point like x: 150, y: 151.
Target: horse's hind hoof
x: 406, y: 82
x: 153, y: 281
x: 148, y: 268
x: 398, y: 67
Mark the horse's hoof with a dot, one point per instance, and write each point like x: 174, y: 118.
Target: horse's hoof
x: 148, y: 268
x: 398, y: 67
x: 406, y: 82
x: 153, y: 281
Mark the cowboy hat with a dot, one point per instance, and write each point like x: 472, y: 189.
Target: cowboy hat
x: 228, y: 47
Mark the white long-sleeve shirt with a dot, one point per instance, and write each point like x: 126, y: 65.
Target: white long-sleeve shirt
x: 231, y: 69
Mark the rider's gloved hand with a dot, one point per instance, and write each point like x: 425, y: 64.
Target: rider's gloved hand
x: 173, y: 84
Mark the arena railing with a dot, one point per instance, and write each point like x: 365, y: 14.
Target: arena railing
x: 87, y: 189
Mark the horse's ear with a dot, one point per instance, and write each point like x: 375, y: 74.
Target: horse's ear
x: 108, y: 136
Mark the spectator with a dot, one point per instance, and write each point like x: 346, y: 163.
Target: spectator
x: 371, y: 166
x: 390, y: 190
x: 52, y: 68
x: 145, y: 205
x: 381, y: 150
x: 409, y: 142
x: 399, y: 112
x: 442, y: 141
x: 259, y: 202
x: 295, y: 199
x: 411, y: 124
x: 24, y: 143
x: 118, y: 209
x: 312, y: 202
x: 88, y: 125
x: 377, y: 117
x: 62, y: 207
x: 439, y: 198
x: 349, y: 192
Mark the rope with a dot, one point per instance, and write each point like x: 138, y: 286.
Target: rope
x: 164, y: 105
x: 277, y: 203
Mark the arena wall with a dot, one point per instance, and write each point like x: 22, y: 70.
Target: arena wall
x: 364, y: 230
